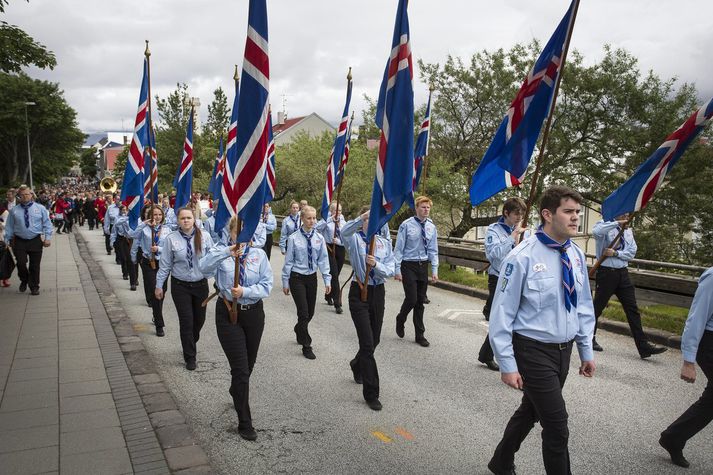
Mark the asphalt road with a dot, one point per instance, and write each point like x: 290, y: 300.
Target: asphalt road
x: 443, y: 411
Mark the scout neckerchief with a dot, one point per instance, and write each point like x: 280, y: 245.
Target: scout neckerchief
x: 570, y: 293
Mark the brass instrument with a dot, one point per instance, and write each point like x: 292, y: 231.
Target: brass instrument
x: 108, y: 185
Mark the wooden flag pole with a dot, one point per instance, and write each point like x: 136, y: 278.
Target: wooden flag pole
x: 548, y: 124
x: 236, y: 276
x: 147, y: 53
x: 365, y: 288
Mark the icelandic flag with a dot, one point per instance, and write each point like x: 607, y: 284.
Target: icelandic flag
x: 183, y: 181
x: 394, y: 116
x: 151, y: 169
x: 422, y: 145
x: 335, y: 158
x: 224, y: 213
x: 515, y: 139
x: 271, y: 178
x: 253, y: 137
x: 345, y: 158
x: 636, y: 192
x: 215, y: 180
x: 132, y: 186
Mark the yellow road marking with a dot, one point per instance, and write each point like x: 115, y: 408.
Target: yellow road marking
x: 381, y: 436
x: 404, y: 433
x: 140, y: 327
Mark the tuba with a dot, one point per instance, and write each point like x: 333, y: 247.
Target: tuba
x: 108, y: 185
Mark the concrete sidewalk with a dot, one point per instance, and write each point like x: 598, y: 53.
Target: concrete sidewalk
x: 68, y: 401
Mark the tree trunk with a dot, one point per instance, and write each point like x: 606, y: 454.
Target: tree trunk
x: 468, y: 222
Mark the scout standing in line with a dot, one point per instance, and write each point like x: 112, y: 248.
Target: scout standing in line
x: 120, y: 235
x: 501, y: 238
x: 331, y: 230
x: 542, y: 306
x: 241, y: 340
x: 112, y: 212
x: 416, y: 246
x: 306, y: 253
x: 189, y: 287
x: 268, y: 219
x: 290, y: 225
x: 368, y: 316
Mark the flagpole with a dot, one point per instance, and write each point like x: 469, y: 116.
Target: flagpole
x: 364, y: 289
x: 548, y: 124
x: 336, y: 174
x: 428, y: 141
x: 149, y: 123
x: 614, y: 243
x: 236, y: 274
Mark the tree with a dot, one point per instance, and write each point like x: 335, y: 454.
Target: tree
x: 88, y: 162
x: 54, y: 136
x: 218, y: 118
x: 18, y: 49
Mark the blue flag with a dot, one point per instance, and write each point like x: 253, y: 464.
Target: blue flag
x: 183, y: 181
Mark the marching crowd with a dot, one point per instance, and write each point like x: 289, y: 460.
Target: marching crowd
x: 539, y: 306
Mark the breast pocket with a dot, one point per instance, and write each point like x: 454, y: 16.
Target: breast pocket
x: 543, y: 291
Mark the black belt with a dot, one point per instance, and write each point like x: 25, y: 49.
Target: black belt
x: 421, y: 263
x: 355, y: 282
x: 556, y: 346
x: 612, y: 269
x: 198, y: 283
x: 26, y: 240
x: 251, y: 306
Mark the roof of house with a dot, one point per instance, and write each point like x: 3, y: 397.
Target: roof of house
x: 278, y: 128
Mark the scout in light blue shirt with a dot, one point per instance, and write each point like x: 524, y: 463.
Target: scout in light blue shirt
x: 327, y: 229
x: 142, y: 237
x: 175, y: 257
x: 257, y: 241
x: 209, y: 226
x: 355, y: 242
x: 410, y: 245
x: 297, y: 259
x: 604, y: 233
x: 219, y: 262
x: 112, y: 212
x: 121, y: 228
x: 27, y: 221
x: 290, y: 224
x: 269, y: 220
x: 700, y: 317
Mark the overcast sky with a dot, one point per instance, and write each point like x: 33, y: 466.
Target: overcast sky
x: 99, y: 44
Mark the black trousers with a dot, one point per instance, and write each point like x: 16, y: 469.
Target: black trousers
x: 268, y: 245
x: 240, y: 344
x: 148, y: 287
x: 610, y: 282
x: 187, y: 297
x: 149, y: 276
x: 368, y: 318
x: 544, y: 369
x: 91, y: 221
x: 32, y: 249
x: 336, y: 262
x: 107, y: 240
x: 486, y: 351
x: 415, y: 282
x: 304, y: 292
x: 700, y: 414
x: 128, y: 268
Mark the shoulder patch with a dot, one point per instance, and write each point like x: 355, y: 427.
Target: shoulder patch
x: 508, y: 270
x: 490, y: 239
x: 503, y: 285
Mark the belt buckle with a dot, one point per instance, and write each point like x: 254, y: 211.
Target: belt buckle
x: 244, y: 307
x: 562, y: 346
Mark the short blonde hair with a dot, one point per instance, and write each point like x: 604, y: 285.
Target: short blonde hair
x: 423, y: 199
x: 309, y: 209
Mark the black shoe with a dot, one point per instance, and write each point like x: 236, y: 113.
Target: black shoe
x: 647, y: 349
x: 191, y: 365
x: 329, y: 300
x: 248, y: 434
x: 426, y: 301
x: 423, y: 342
x: 125, y: 277
x: 133, y: 287
x: 399, y: 328
x: 148, y: 303
x: 308, y: 353
x: 676, y: 454
x: 159, y: 331
x: 35, y: 292
x: 108, y: 253
x: 500, y: 471
x: 339, y: 310
x: 23, y: 286
x: 492, y: 365
x: 374, y: 404
x: 596, y: 346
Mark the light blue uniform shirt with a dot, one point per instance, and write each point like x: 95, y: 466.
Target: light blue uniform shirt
x: 170, y: 218
x: 409, y: 245
x: 220, y: 264
x: 142, y: 239
x: 258, y: 239
x: 121, y: 228
x: 604, y: 233
x: 112, y: 212
x: 529, y: 301
x: 269, y: 220
x: 296, y: 258
x: 498, y: 243
x: 209, y: 226
x: 327, y: 229
x: 174, y: 258
x: 290, y: 224
x: 39, y: 223
x: 700, y: 317
x: 357, y: 249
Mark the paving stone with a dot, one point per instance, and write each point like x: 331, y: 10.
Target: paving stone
x: 86, y: 403
x: 77, y: 375
x: 151, y: 388
x: 32, y: 373
x: 113, y: 461
x: 167, y: 418
x: 34, y: 386
x: 29, y: 418
x: 80, y: 421
x: 36, y: 352
x: 158, y: 402
x: 152, y: 468
x: 37, y: 343
x: 185, y: 457
x: 25, y: 439
x: 147, y: 378
x: 78, y: 344
x: 91, y: 440
x: 80, y: 363
x: 41, y: 460
x: 84, y: 388
x: 200, y: 470
x: 38, y: 362
x: 23, y: 402
x: 82, y: 353
x: 177, y: 435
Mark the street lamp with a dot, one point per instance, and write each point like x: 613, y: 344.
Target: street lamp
x: 27, y: 128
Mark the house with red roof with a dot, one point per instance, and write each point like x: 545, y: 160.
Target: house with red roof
x: 285, y: 130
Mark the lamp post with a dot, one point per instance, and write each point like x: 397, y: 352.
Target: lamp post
x: 29, y: 155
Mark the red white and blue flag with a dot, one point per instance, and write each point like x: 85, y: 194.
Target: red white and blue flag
x: 132, y: 186
x: 183, y: 181
x: 216, y: 179
x: 151, y: 168
x: 393, y: 183
x: 336, y: 156
x: 636, y: 192
x: 345, y: 158
x: 271, y: 178
x: 505, y: 162
x: 253, y: 138
x: 424, y: 135
x: 224, y: 213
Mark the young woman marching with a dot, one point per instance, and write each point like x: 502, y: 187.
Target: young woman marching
x: 306, y: 251
x: 119, y: 240
x: 368, y: 316
x: 149, y: 237
x: 290, y: 224
x: 189, y: 287
x: 240, y: 340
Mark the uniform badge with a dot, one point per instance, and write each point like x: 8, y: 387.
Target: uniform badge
x: 539, y: 267
x: 508, y: 270
x: 490, y: 239
x: 504, y: 285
